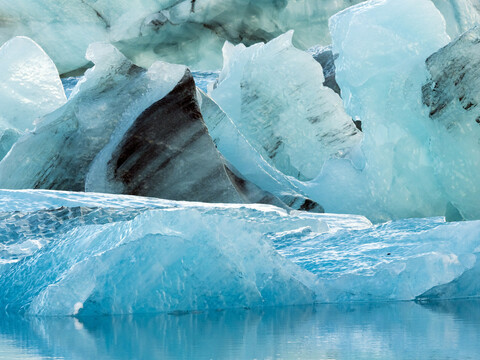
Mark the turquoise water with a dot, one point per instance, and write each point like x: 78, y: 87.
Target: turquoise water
x: 202, y: 79
x: 446, y: 330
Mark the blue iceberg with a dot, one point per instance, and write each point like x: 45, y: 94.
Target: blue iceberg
x: 65, y: 253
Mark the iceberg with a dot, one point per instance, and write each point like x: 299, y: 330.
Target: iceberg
x: 180, y: 31
x: 247, y: 162
x: 82, y: 254
x: 274, y: 95
x: 382, y: 87
x: 65, y: 253
x: 452, y: 97
x: 30, y: 88
x: 399, y: 260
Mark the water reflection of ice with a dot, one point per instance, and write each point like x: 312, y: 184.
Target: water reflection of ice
x: 444, y: 330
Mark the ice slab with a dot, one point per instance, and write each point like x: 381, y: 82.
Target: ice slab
x: 249, y: 164
x: 381, y: 87
x: 66, y: 253
x: 71, y: 253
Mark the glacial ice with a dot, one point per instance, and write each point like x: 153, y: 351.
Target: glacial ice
x: 452, y: 97
x: 460, y: 15
x: 80, y: 254
x: 381, y: 87
x: 30, y: 88
x: 274, y: 95
x: 58, y: 153
x: 178, y: 31
x: 165, y: 152
x: 249, y: 164
x: 111, y: 254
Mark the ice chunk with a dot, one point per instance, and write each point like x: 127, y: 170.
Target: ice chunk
x: 81, y: 254
x: 165, y: 152
x: 382, y: 48
x: 183, y: 31
x: 273, y: 93
x: 452, y: 97
x: 30, y: 88
x: 398, y: 260
x: 113, y: 254
x: 247, y: 161
x: 58, y: 153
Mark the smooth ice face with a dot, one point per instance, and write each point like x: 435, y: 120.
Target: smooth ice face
x: 30, y: 88
x: 183, y: 31
x: 274, y: 95
x: 382, y: 47
x: 452, y: 97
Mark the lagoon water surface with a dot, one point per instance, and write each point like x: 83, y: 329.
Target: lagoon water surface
x: 405, y: 330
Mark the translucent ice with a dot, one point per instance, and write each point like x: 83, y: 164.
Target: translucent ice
x: 67, y: 253
x: 179, y: 31
x: 80, y: 254
x: 30, y: 88
x: 452, y: 97
x: 381, y: 87
x: 398, y: 260
x: 247, y: 161
x: 274, y: 94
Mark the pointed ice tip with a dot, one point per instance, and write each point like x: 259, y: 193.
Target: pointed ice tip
x: 283, y: 41
x: 103, y: 52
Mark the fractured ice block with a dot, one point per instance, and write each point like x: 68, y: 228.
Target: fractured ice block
x: 274, y: 95
x: 86, y: 254
x: 249, y: 164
